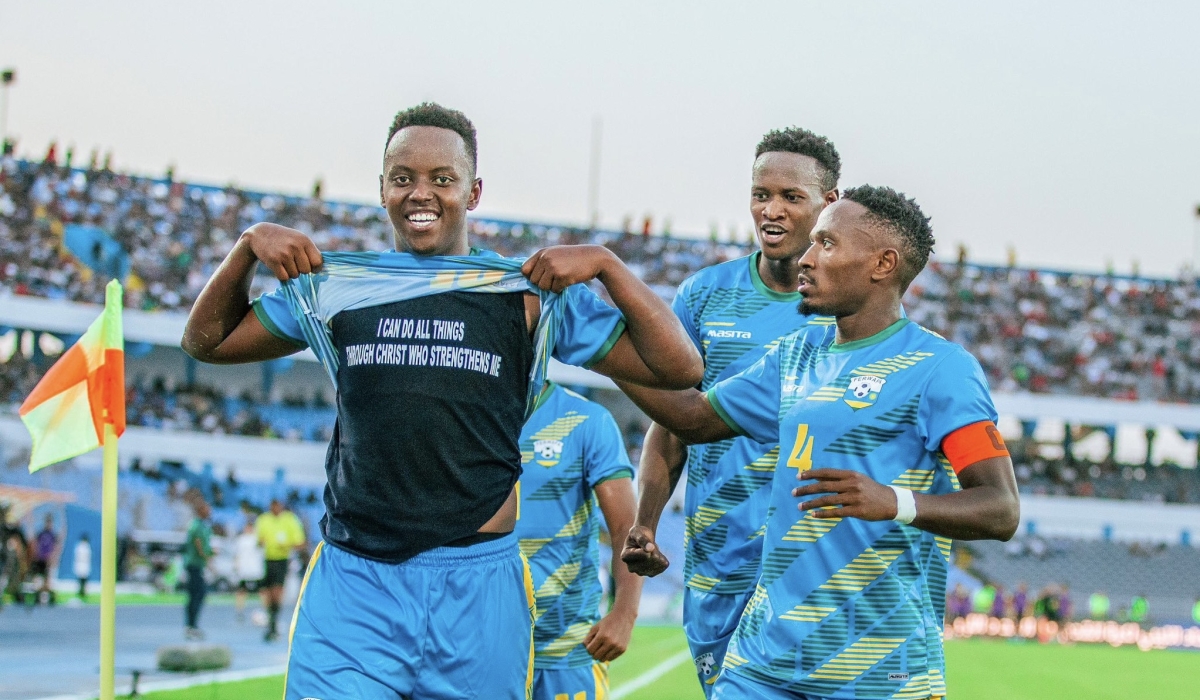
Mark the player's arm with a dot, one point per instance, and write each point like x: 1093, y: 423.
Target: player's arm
x: 663, y: 458
x: 687, y: 414
x: 987, y: 508
x: 654, y: 350
x: 222, y: 328
x: 609, y: 638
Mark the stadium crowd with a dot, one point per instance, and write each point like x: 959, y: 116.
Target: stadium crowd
x: 1045, y: 332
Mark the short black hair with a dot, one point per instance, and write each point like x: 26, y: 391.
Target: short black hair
x: 433, y: 114
x: 904, y: 218
x: 804, y: 142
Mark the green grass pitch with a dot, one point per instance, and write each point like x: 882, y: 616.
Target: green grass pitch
x: 977, y: 670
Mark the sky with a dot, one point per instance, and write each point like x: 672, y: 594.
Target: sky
x: 1068, y: 131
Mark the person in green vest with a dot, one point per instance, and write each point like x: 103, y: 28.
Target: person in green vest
x: 197, y: 550
x: 1196, y: 611
x: 1139, y: 609
x: 1099, y: 605
x: 983, y: 599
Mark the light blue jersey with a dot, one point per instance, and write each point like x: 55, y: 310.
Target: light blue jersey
x: 568, y: 447
x: 734, y: 319
x: 851, y: 609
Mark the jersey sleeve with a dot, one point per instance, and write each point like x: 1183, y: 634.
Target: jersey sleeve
x: 749, y: 402
x: 589, y: 327
x: 957, y: 395
x: 604, y: 455
x: 273, y: 312
x: 685, y: 313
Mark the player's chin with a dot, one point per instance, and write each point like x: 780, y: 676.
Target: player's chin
x: 781, y: 248
x: 811, y: 306
x: 430, y: 241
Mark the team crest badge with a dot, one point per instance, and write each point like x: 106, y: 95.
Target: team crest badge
x: 705, y: 664
x: 864, y: 391
x: 547, y: 452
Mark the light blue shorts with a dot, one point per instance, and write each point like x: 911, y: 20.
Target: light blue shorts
x: 581, y: 683
x: 734, y: 686
x: 709, y: 620
x: 453, y: 622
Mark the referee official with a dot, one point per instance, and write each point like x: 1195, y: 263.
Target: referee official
x: 279, y: 533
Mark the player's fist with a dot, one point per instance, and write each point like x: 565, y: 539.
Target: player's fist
x: 641, y: 554
x: 286, y: 252
x: 609, y: 638
x: 558, y: 267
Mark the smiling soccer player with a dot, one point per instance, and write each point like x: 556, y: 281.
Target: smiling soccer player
x: 421, y: 590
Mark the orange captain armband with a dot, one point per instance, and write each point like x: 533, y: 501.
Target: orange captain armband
x: 973, y: 443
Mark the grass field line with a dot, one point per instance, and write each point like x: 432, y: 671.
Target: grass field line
x: 651, y: 675
x: 191, y: 681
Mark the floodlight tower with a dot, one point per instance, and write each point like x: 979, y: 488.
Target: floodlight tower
x: 7, y: 77
x: 594, y: 174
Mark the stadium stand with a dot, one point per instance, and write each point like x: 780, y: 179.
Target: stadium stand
x: 1116, y: 568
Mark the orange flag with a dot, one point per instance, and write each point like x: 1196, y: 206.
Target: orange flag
x: 83, y: 391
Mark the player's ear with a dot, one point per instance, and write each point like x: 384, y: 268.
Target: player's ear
x: 831, y: 196
x: 886, y: 264
x: 476, y: 193
x: 381, y: 202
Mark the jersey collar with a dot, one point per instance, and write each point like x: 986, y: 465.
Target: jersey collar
x: 872, y: 340
x: 547, y: 389
x: 761, y: 287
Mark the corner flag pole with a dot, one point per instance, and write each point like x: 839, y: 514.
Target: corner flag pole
x: 77, y: 406
x: 108, y: 566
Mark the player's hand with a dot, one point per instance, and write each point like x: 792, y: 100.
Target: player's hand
x: 286, y: 252
x: 558, y: 267
x: 848, y: 494
x: 641, y: 554
x: 609, y: 638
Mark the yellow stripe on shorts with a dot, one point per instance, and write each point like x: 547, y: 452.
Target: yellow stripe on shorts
x: 312, y: 564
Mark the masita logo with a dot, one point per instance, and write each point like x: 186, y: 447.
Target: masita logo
x: 548, y: 452
x: 897, y: 676
x: 740, y: 335
x: 705, y: 663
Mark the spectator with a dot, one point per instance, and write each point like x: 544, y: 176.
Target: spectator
x: 1196, y: 611
x: 248, y: 566
x: 45, y: 559
x: 1020, y: 601
x: 1139, y: 609
x: 958, y: 603
x: 83, y: 564
x: 984, y: 598
x: 1099, y: 606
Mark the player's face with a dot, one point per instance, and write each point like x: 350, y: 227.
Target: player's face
x: 836, y: 272
x: 785, y: 200
x: 427, y: 188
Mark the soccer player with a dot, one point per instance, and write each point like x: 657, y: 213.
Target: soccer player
x: 889, y: 430
x: 422, y: 591
x: 734, y: 312
x: 279, y: 533
x: 574, y: 459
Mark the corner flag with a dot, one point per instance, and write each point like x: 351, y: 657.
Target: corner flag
x: 83, y: 391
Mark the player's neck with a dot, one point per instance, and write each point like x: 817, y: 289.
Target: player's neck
x: 872, y: 318
x: 460, y: 246
x: 779, y: 275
